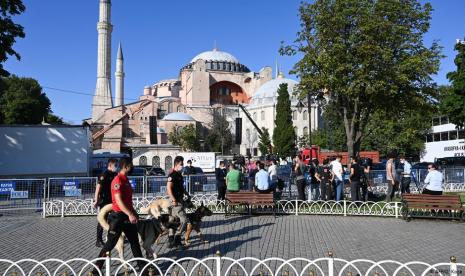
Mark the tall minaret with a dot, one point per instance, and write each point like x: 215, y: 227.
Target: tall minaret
x: 119, y: 76
x: 102, y: 98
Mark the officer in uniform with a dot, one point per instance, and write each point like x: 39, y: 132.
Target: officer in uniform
x: 123, y: 218
x: 103, y: 193
x: 176, y: 192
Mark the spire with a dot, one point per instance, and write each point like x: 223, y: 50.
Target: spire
x: 120, y: 52
x: 276, y: 69
x: 215, y: 48
x: 119, y: 77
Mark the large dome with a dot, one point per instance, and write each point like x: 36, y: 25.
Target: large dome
x: 268, y: 91
x: 215, y: 55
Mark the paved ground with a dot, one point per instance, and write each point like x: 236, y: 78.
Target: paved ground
x: 259, y: 236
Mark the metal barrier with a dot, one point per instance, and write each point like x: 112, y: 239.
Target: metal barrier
x: 222, y: 266
x: 155, y: 185
x: 138, y: 185
x: 21, y: 194
x: 71, y: 187
x: 204, y: 183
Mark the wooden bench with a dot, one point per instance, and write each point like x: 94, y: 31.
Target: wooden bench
x: 249, y: 199
x: 419, y: 205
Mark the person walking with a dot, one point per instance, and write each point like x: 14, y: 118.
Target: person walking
x: 102, y: 195
x: 123, y: 219
x: 406, y: 176
x: 336, y: 170
x: 355, y: 176
x: 391, y: 178
x: 433, y: 181
x: 220, y: 174
x: 299, y: 171
x: 175, y: 191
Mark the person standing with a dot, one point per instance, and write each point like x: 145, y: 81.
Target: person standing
x: 175, y: 190
x: 220, y: 174
x: 315, y: 180
x: 123, y: 218
x: 299, y: 172
x: 325, y: 180
x: 102, y: 195
x: 336, y: 170
x: 189, y: 169
x: 433, y: 181
x: 391, y: 178
x: 233, y: 179
x: 273, y: 172
x: 262, y: 180
x: 406, y: 176
x: 355, y: 176
x: 366, y: 164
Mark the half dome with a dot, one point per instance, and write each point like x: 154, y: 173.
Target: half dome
x: 178, y: 116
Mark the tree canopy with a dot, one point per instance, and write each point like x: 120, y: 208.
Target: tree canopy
x: 283, y: 135
x: 186, y: 137
x: 218, y: 137
x: 264, y: 145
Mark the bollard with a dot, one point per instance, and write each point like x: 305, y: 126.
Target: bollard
x: 14, y: 273
x: 330, y: 263
x: 261, y: 273
x: 453, y: 266
x: 312, y: 273
x: 218, y: 253
x: 235, y: 272
x: 377, y: 273
x: 39, y: 273
x: 200, y: 273
x: 150, y: 271
x: 107, y: 262
x: 349, y: 273
x: 126, y: 272
x: 65, y: 273
x: 286, y: 272
x: 90, y: 273
x: 175, y: 273
x: 218, y: 262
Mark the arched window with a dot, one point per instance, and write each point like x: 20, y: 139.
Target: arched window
x: 168, y: 163
x: 296, y: 131
x: 247, y: 134
x: 305, y: 130
x: 294, y: 115
x: 143, y: 161
x: 156, y: 161
x: 263, y: 115
x: 305, y: 115
x: 179, y: 108
x: 255, y: 116
x: 170, y: 107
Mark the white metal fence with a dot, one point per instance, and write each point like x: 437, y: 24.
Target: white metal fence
x: 222, y: 266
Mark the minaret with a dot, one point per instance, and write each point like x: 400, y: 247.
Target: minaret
x: 119, y: 76
x: 102, y: 98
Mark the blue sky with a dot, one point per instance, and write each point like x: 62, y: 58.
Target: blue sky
x: 159, y: 37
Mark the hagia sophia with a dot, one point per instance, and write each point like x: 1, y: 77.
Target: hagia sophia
x: 211, y: 80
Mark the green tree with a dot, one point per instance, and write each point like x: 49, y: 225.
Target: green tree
x: 283, y: 135
x: 264, y: 145
x: 366, y: 56
x: 9, y: 31
x: 218, y: 137
x: 22, y: 101
x: 186, y: 137
x: 54, y: 120
x: 453, y: 100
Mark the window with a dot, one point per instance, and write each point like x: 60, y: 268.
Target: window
x: 263, y: 115
x: 247, y: 134
x: 296, y: 131
x: 429, y: 138
x: 305, y: 130
x: 444, y: 120
x: 168, y: 163
x: 444, y: 136
x: 156, y: 161
x: 255, y: 116
x: 462, y: 134
x: 294, y: 115
x: 170, y: 107
x: 143, y: 161
x: 305, y: 115
x: 437, y: 137
x: 452, y: 134
x: 436, y: 121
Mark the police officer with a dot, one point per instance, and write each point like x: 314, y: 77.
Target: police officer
x: 103, y: 193
x: 124, y: 217
x: 175, y: 190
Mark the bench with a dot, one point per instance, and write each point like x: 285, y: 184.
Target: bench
x: 419, y: 205
x: 249, y: 199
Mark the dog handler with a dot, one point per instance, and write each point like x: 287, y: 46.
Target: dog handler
x: 124, y: 217
x: 103, y: 193
x: 176, y: 192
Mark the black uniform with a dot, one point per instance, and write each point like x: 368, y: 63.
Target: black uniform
x: 178, y: 185
x: 178, y: 190
x: 104, y: 198
x: 220, y: 174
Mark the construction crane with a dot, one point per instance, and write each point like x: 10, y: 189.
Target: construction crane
x: 260, y: 132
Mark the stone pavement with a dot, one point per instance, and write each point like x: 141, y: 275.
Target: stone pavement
x: 287, y: 237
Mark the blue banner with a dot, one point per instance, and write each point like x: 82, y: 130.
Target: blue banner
x: 19, y: 194
x: 70, y: 185
x: 7, y: 187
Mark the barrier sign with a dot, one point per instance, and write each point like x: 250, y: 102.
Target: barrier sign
x: 133, y: 183
x: 209, y: 187
x: 19, y: 194
x: 6, y: 188
x: 163, y: 189
x: 70, y: 185
x: 73, y: 192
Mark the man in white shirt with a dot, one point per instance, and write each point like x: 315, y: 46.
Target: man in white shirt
x: 273, y: 172
x: 433, y: 181
x: 336, y: 169
x: 406, y: 178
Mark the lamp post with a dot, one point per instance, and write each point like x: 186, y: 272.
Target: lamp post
x: 300, y: 106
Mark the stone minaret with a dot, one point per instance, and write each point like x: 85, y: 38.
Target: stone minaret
x: 102, y: 98
x: 119, y: 76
